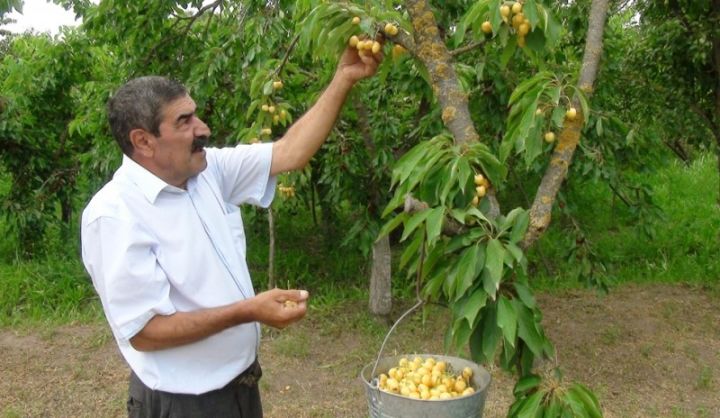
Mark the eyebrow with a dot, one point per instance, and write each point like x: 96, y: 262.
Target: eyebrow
x: 184, y: 116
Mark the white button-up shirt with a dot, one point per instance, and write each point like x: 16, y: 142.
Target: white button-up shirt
x: 155, y: 249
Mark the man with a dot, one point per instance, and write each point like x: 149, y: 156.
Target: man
x: 164, y: 245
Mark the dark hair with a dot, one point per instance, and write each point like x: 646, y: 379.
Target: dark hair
x: 139, y: 103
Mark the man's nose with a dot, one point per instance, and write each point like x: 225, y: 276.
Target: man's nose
x: 201, y: 128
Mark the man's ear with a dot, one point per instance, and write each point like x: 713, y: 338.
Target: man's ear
x: 143, y: 142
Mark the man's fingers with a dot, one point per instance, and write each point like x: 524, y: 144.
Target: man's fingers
x: 292, y: 294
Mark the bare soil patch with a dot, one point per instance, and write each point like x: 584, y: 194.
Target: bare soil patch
x: 647, y: 351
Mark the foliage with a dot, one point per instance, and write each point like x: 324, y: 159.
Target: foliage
x: 42, y: 80
x: 684, y: 241
x: 660, y: 76
x: 536, y: 108
x: 538, y: 397
x: 480, y: 271
x: 7, y: 6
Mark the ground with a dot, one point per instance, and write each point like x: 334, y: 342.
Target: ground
x: 646, y: 350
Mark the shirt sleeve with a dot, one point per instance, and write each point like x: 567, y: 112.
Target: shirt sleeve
x: 243, y: 173
x: 120, y: 258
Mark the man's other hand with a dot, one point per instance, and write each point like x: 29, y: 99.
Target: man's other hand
x: 279, y: 308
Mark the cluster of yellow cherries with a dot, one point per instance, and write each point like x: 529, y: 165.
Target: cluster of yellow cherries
x: 481, y: 187
x: 277, y: 115
x: 365, y: 45
x: 426, y: 379
x: 512, y: 14
x: 286, y: 191
x: 570, y: 114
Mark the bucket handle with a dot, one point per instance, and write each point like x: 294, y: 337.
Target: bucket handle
x: 382, y: 347
x: 419, y: 303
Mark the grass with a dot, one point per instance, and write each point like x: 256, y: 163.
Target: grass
x: 686, y: 238
x: 46, y: 291
x: 705, y: 379
x: 55, y: 288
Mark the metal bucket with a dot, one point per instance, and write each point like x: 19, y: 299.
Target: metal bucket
x: 387, y: 405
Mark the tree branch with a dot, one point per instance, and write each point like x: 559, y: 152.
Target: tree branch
x: 434, y: 55
x: 450, y: 226
x: 432, y: 52
x: 467, y: 48
x: 541, y: 210
x: 214, y: 5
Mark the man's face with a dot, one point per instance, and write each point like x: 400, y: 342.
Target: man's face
x: 179, y: 150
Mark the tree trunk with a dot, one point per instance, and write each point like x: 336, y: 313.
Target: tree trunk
x: 677, y: 148
x: 271, y: 250
x: 381, y: 270
x: 541, y: 210
x: 380, y: 289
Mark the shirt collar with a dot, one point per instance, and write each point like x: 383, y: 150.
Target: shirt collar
x: 149, y: 184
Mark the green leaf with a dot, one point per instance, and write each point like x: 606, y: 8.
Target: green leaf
x: 494, y: 261
x: 506, y: 222
x: 554, y: 95
x: 491, y: 166
x: 411, y: 250
x: 517, y: 254
x: 458, y: 214
x: 592, y: 406
x: 507, y: 319
x: 434, y: 224
x: 408, y: 162
x: 520, y: 227
x: 392, y: 224
x: 527, y: 85
x: 531, y: 13
x: 490, y: 333
x: 507, y: 53
x: 533, y: 148
x: 577, y: 405
x: 553, y: 408
x: 532, y: 407
x: 525, y: 384
x: 433, y: 258
x: 466, y: 272
x: 448, y: 178
x: 474, y: 304
x: 435, y: 283
x: 268, y: 88
x: 414, y: 221
x: 527, y: 330
x: 536, y: 41
x: 465, y: 172
x: 506, y: 146
x: 525, y: 295
x: 463, y: 240
x: 461, y: 333
x: 558, y: 116
x: 475, y: 212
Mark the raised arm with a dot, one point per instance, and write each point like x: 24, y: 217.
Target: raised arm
x: 295, y: 149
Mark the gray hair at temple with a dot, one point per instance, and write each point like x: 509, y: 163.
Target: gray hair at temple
x: 139, y: 104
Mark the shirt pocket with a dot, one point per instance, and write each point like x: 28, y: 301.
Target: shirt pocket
x: 237, y: 232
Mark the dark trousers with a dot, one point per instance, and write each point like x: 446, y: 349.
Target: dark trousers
x: 238, y: 399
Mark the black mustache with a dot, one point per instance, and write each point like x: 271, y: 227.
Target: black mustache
x: 199, y: 143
